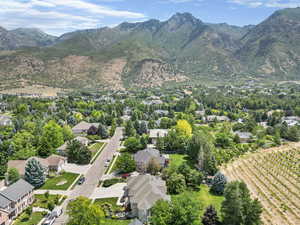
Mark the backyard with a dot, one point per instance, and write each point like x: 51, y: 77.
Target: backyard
x: 206, y: 198
x: 60, y: 182
x: 35, y: 218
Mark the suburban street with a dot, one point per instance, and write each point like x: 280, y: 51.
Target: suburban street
x: 93, y: 175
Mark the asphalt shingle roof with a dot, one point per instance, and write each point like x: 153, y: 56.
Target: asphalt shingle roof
x: 17, y: 190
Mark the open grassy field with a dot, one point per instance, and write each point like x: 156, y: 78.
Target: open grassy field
x: 272, y: 175
x: 60, y: 182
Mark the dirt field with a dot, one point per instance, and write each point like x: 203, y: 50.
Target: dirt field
x: 39, y: 90
x: 273, y: 176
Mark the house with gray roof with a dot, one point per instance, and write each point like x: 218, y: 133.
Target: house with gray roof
x: 213, y: 118
x: 144, y: 157
x: 82, y: 127
x: 14, y: 200
x: 142, y: 192
x: 5, y: 120
x: 243, y: 136
x: 154, y: 134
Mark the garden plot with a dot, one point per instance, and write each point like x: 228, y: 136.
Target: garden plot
x: 273, y: 176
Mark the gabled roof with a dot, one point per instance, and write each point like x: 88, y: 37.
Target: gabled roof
x: 154, y: 133
x: 4, y: 202
x: 17, y: 190
x: 145, y: 190
x: 84, y: 125
x: 148, y: 154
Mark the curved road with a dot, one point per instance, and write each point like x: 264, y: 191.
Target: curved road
x: 94, y: 174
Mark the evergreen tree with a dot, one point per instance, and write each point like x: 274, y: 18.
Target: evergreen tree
x: 218, y: 183
x: 34, y: 173
x: 3, y: 164
x: 142, y: 128
x: 102, y: 131
x: 210, y: 216
x: 238, y: 207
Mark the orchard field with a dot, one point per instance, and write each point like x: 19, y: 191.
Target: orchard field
x: 273, y: 176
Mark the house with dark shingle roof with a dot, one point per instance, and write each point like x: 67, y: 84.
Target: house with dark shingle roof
x: 83, y: 127
x: 142, y: 192
x: 144, y: 157
x: 14, y: 200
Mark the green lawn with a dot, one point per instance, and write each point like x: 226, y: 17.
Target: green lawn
x: 35, y: 218
x: 206, y: 199
x: 114, y: 222
x: 60, y: 182
x: 177, y: 159
x: 96, y: 149
x: 42, y: 202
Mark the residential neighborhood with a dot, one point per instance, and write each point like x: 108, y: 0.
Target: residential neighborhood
x: 131, y: 157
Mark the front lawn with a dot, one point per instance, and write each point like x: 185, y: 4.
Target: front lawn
x: 60, y: 182
x: 35, y: 218
x: 111, y: 201
x: 96, y: 149
x: 42, y: 202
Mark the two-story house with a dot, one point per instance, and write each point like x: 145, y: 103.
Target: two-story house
x: 14, y: 200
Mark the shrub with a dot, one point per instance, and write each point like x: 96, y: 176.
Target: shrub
x: 108, y: 183
x: 218, y: 184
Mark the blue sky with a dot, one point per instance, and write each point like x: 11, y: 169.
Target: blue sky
x: 61, y: 16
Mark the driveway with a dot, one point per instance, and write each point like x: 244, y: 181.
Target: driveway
x: 73, y: 168
x: 114, y: 191
x: 93, y: 174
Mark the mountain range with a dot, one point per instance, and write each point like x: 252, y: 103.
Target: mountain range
x: 153, y: 53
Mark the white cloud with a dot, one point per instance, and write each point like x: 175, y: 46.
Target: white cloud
x: 268, y: 3
x: 58, y: 16
x: 181, y: 1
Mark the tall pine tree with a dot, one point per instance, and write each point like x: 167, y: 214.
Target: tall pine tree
x: 34, y: 173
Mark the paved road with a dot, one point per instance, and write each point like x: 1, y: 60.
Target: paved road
x: 94, y: 174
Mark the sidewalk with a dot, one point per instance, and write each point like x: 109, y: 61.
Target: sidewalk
x: 52, y: 192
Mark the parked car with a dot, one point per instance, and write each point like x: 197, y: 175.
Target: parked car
x: 125, y: 175
x: 49, y: 219
x: 81, y: 180
x: 57, y: 211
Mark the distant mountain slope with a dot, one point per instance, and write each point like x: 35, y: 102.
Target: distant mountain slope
x: 24, y: 37
x: 152, y: 53
x: 273, y: 47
